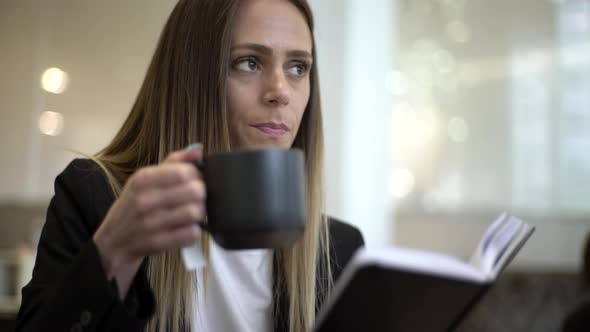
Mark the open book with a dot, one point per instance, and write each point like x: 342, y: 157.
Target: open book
x: 398, y: 290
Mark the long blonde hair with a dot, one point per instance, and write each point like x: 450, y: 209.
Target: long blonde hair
x: 183, y: 100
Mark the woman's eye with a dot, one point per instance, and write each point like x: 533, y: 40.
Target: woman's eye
x: 299, y: 69
x: 247, y: 65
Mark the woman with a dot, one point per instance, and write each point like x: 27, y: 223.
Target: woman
x: 231, y: 74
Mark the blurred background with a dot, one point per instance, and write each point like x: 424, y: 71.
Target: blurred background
x: 439, y: 115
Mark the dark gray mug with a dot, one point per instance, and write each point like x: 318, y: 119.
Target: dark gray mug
x: 255, y: 198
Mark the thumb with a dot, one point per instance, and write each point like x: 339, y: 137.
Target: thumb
x: 192, y: 152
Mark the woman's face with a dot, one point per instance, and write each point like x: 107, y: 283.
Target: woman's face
x: 268, y: 83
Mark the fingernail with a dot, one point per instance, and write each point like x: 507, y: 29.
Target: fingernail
x: 194, y: 146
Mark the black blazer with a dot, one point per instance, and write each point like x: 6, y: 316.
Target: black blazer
x: 69, y: 290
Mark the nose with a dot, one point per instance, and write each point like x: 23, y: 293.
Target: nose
x: 276, y: 92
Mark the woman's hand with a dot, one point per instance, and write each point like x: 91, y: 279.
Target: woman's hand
x: 158, y: 210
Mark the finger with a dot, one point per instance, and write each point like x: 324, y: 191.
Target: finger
x: 164, y: 220
x: 176, y: 238
x: 163, y: 176
x: 193, y: 191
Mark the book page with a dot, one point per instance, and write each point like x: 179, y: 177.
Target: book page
x: 476, y: 259
x: 406, y: 259
x: 523, y: 234
x: 498, y: 244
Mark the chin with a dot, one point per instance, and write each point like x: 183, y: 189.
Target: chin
x: 267, y: 145
x: 273, y: 146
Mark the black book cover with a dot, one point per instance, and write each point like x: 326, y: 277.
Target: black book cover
x: 382, y: 299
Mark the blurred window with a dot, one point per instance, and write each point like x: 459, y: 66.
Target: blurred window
x: 493, y: 107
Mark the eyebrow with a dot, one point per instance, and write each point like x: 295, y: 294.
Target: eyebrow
x: 268, y: 51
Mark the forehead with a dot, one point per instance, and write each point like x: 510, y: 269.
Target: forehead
x: 274, y: 23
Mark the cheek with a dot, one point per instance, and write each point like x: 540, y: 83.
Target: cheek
x: 302, y: 99
x: 240, y: 99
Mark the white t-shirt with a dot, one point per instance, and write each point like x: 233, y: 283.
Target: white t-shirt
x: 238, y: 295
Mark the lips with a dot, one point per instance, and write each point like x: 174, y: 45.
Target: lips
x: 272, y: 129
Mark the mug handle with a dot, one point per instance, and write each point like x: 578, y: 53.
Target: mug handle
x: 200, y: 165
x: 205, y: 227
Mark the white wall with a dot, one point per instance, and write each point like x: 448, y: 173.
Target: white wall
x: 330, y: 24
x: 356, y: 42
x: 16, y: 94
x: 104, y: 47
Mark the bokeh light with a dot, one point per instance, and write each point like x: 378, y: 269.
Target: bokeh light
x: 54, y: 80
x: 51, y: 123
